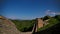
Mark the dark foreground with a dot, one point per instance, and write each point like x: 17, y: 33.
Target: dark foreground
x: 52, y: 30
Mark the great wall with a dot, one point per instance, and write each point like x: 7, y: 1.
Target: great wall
x: 8, y: 27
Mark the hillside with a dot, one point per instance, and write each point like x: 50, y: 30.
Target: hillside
x: 24, y: 25
x: 7, y: 26
x: 52, y: 28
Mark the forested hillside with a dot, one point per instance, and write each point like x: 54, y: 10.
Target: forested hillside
x: 24, y: 25
x: 27, y: 25
x: 52, y: 28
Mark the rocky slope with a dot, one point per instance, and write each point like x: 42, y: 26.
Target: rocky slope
x: 7, y: 27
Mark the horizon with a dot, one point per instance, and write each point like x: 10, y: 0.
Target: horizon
x: 29, y: 9
x: 28, y: 19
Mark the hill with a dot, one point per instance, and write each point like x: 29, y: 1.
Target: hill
x: 52, y: 28
x: 24, y: 25
x: 7, y: 26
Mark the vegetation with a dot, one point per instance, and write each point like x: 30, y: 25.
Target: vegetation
x: 57, y: 17
x: 46, y: 17
x: 24, y: 25
x: 27, y: 25
x: 52, y: 21
x: 55, y: 29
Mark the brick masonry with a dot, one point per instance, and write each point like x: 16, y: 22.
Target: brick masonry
x: 40, y: 23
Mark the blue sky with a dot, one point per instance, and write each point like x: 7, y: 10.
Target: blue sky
x: 28, y: 9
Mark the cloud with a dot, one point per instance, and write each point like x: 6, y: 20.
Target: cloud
x: 52, y: 12
x: 58, y: 13
x: 48, y: 12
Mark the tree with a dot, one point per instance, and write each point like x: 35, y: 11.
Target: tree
x: 46, y: 17
x: 57, y: 17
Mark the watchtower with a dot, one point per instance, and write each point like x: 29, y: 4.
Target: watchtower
x: 38, y: 24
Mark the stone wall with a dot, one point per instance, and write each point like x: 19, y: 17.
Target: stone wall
x: 40, y: 23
